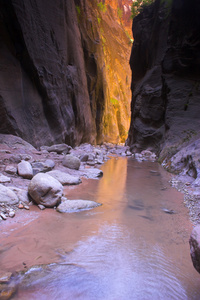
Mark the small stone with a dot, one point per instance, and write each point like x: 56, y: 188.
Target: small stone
x: 128, y: 153
x: 11, y: 170
x: 20, y: 206
x: 11, y: 214
x: 5, y: 277
x: 4, y: 179
x: 42, y: 207
x: 26, y: 207
x: 25, y: 157
x: 3, y: 216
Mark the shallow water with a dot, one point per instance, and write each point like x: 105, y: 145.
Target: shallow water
x: 128, y: 248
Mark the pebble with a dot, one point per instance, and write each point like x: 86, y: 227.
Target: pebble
x: 3, y: 216
x: 42, y: 207
x: 11, y: 214
x: 5, y: 277
x: 26, y: 207
x: 20, y: 206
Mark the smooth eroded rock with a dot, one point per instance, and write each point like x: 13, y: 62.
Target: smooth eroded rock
x: 76, y: 205
x: 195, y: 247
x: 71, y: 162
x: 25, y: 170
x: 59, y: 148
x: 64, y: 178
x: 45, y: 190
x: 40, y: 166
x: 7, y: 195
x: 93, y: 173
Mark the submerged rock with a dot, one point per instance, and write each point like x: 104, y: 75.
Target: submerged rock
x: 45, y: 190
x: 76, y: 205
x: 195, y: 247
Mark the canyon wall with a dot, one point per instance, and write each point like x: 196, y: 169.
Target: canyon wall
x: 61, y: 74
x: 165, y: 62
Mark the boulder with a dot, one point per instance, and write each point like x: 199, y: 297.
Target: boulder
x: 71, y: 162
x: 59, y: 148
x: 45, y: 190
x: 64, y: 178
x: 45, y: 166
x: 7, y: 195
x: 25, y: 170
x: 76, y: 205
x: 195, y: 247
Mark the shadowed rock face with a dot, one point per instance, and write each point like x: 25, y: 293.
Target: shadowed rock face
x: 165, y: 62
x: 42, y: 78
x: 49, y: 71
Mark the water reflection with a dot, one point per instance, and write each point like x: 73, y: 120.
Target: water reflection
x: 126, y: 249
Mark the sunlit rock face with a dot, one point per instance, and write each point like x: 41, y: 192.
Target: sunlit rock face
x: 63, y: 76
x: 106, y: 47
x: 122, y: 11
x: 165, y: 64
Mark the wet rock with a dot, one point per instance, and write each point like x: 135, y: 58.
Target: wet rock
x: 7, y: 195
x: 76, y: 205
x: 5, y: 277
x: 168, y: 211
x: 12, y: 170
x: 4, y: 179
x: 45, y: 166
x: 25, y: 170
x: 41, y: 207
x: 45, y: 190
x: 64, y: 178
x: 195, y: 247
x: 59, y: 148
x: 93, y: 173
x: 71, y: 162
x: 7, y: 292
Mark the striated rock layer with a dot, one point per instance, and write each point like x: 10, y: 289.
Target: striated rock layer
x: 165, y: 63
x: 53, y: 84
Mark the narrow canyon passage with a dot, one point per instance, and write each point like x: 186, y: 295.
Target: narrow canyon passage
x: 129, y: 248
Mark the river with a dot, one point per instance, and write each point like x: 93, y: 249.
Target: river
x: 128, y: 248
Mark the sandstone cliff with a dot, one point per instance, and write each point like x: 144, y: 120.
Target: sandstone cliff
x: 54, y: 86
x: 165, y: 62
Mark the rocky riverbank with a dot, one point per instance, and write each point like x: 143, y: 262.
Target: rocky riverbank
x: 56, y: 166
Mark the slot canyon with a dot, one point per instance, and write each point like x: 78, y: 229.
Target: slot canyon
x: 99, y: 149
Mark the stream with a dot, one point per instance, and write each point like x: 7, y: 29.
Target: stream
x: 128, y: 248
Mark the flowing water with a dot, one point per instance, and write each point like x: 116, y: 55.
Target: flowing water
x: 129, y: 248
